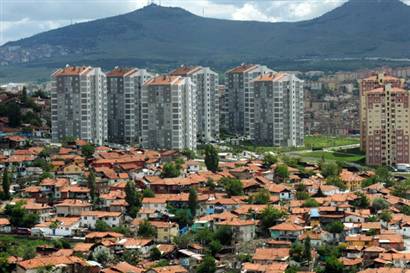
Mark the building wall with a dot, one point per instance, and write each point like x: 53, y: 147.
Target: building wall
x: 124, y: 111
x: 78, y: 106
x: 278, y: 112
x: 387, y: 126
x: 365, y: 85
x: 169, y: 115
x: 239, y: 95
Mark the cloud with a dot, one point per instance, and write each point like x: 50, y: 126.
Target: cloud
x: 249, y: 12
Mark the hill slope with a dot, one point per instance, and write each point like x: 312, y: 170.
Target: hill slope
x: 159, y: 35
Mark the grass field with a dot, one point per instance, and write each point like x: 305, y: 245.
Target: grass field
x: 329, y: 141
x: 352, y: 156
x: 311, y: 142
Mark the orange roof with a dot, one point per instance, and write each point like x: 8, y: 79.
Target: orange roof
x: 107, y: 234
x: 270, y: 253
x: 287, y: 227
x: 242, y: 68
x: 73, y: 203
x: 49, y: 261
x: 4, y: 222
x: 185, y: 70
x: 121, y: 72
x: 164, y: 80
x: 72, y: 71
x: 237, y: 222
x: 271, y: 77
x: 99, y: 213
x: 82, y: 247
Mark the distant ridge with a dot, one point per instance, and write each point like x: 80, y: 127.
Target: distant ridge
x: 156, y: 36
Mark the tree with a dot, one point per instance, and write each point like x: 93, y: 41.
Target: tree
x: 207, y: 265
x: 269, y: 159
x: 282, y: 172
x: 131, y: 256
x: 155, y: 254
x: 335, y: 227
x: 261, y: 197
x: 188, y: 153
x: 233, y: 186
x: 170, y: 170
x: 146, y: 229
x: 269, y: 217
x: 362, y: 201
x: 19, y: 216
x: 329, y: 169
x: 379, y: 204
x: 184, y: 240
x: 102, y: 255
x: 302, y: 195
x: 24, y: 97
x: 92, y: 185
x: 211, y: 158
x: 401, y: 189
x: 210, y: 183
x: 6, y: 184
x: 88, y: 150
x: 332, y: 264
x: 183, y: 217
x: 101, y: 225
x: 193, y: 201
x: 311, y: 203
x: 336, y: 181
x: 307, y: 250
x: 296, y: 251
x: 14, y: 114
x: 383, y: 174
x: 224, y: 235
x: 386, y: 216
x: 133, y: 199
x: 148, y: 193
x: 214, y: 247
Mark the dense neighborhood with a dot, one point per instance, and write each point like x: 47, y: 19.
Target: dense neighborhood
x: 77, y: 207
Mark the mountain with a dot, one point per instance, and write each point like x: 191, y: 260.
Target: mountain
x: 162, y: 36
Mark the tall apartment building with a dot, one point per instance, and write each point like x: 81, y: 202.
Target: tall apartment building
x: 124, y: 100
x: 240, y: 97
x: 79, y: 104
x: 278, y: 110
x: 223, y: 109
x: 169, y: 113
x: 387, y: 125
x: 207, y: 100
x: 365, y: 85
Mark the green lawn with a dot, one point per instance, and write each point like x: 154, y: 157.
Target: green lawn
x: 317, y: 142
x: 336, y: 156
x: 19, y: 246
x: 329, y: 141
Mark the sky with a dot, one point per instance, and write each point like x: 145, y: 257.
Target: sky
x: 23, y: 18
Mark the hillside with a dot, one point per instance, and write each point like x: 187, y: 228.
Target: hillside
x: 157, y: 36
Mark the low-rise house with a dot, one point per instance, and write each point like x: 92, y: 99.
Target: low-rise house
x: 5, y: 226
x: 60, y: 226
x: 69, y: 263
x: 271, y: 255
x: 243, y: 230
x: 89, y: 218
x: 286, y: 231
x: 72, y: 207
x: 166, y: 231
